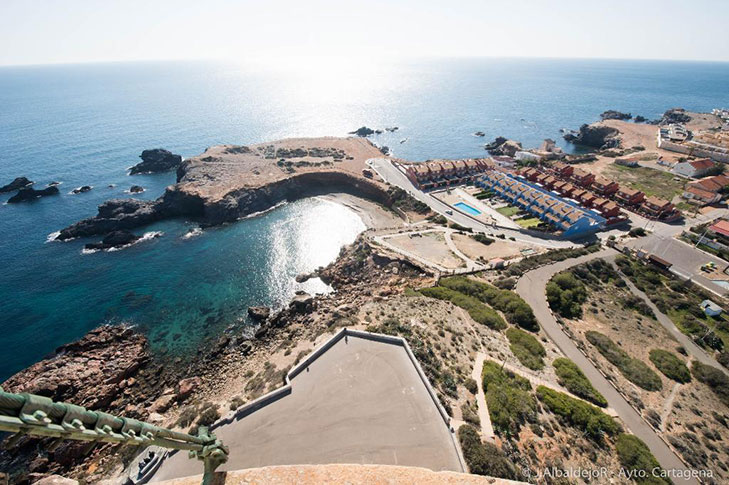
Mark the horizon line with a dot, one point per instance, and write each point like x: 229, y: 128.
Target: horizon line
x: 384, y: 59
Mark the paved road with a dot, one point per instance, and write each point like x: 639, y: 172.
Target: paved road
x: 686, y: 259
x: 532, y: 287
x: 694, y: 350
x: 392, y: 175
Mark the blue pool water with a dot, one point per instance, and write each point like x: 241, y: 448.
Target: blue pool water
x: 85, y: 124
x: 467, y: 208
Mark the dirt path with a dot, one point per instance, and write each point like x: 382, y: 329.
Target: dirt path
x: 532, y: 287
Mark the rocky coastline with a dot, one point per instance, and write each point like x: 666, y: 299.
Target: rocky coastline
x: 112, y: 367
x: 595, y: 135
x: 205, y: 193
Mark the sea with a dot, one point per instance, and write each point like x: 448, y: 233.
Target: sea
x: 87, y: 124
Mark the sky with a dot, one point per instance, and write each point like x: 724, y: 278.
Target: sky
x: 74, y: 31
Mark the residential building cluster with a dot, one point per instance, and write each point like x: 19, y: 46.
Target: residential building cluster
x: 566, y: 215
x: 444, y: 173
x: 708, y: 190
x: 709, y: 144
x: 599, y: 193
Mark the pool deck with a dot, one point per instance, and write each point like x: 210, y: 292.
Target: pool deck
x: 360, y: 400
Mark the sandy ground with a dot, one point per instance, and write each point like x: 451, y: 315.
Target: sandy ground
x: 372, y: 214
x: 430, y: 246
x: 498, y: 249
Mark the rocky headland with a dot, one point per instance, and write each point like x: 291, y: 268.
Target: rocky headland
x: 156, y: 160
x: 228, y: 182
x: 503, y: 146
x: 596, y: 135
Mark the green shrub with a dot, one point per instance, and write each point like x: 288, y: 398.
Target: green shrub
x: 566, y: 294
x: 459, y: 227
x: 479, y: 312
x: 670, y: 365
x: 469, y: 414
x: 471, y: 385
x: 438, y: 219
x: 484, y: 458
x: 483, y: 239
x: 578, y: 413
x: 637, y: 232
x: 404, y: 201
x: 526, y: 348
x: 509, y: 399
x: 526, y: 264
x: 572, y: 378
x: 636, y: 458
x: 636, y: 371
x: 712, y: 377
x: 516, y: 310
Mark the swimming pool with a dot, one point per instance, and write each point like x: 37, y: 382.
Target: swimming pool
x: 462, y: 206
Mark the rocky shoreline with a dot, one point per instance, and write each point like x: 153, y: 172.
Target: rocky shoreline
x: 206, y: 194
x: 112, y: 368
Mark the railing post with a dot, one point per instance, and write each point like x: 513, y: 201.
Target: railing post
x: 28, y: 414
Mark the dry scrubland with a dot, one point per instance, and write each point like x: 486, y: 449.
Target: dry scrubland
x: 621, y: 336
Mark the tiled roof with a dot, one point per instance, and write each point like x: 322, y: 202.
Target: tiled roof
x: 702, y: 164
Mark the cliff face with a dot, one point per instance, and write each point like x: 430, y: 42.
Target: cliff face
x: 229, y: 182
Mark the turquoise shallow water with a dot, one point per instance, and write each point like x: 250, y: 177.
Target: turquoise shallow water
x: 85, y: 124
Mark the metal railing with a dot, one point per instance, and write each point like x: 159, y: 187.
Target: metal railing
x: 29, y: 414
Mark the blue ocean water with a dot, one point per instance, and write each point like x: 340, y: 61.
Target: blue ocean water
x: 85, y: 124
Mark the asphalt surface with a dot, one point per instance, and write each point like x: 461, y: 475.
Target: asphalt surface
x: 392, y: 175
x: 686, y: 260
x: 532, y: 288
x: 360, y: 402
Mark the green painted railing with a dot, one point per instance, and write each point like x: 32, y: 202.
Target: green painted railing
x: 28, y: 414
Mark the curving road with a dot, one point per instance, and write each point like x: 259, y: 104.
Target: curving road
x: 532, y: 288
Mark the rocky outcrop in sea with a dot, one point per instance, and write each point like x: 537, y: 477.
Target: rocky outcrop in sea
x: 114, y: 240
x: 502, y: 146
x: 611, y: 114
x: 156, y: 160
x: 17, y: 184
x: 82, y: 189
x: 29, y: 193
x: 595, y: 136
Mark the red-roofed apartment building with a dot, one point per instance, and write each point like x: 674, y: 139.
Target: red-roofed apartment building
x: 694, y: 168
x: 707, y: 190
x: 657, y: 208
x: 582, y: 177
x: 603, y: 186
x: 562, y: 170
x: 629, y: 197
x: 720, y: 227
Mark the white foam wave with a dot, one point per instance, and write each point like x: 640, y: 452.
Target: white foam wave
x: 196, y: 231
x: 53, y: 236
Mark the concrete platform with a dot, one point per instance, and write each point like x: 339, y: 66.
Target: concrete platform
x: 358, y: 401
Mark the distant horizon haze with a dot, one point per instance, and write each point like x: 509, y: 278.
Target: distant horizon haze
x: 83, y: 31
